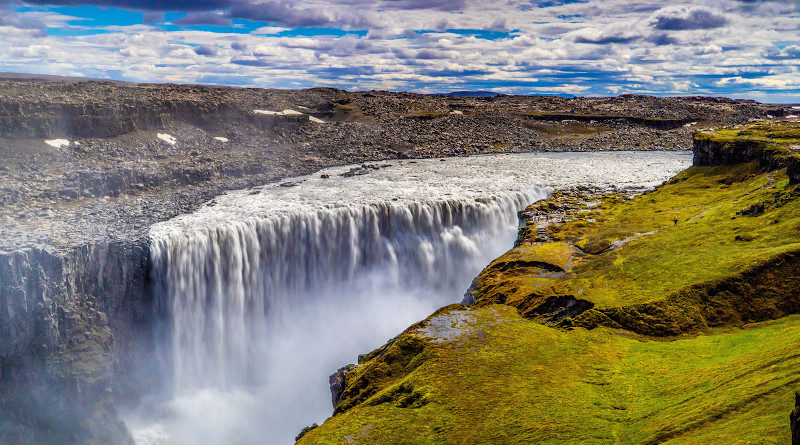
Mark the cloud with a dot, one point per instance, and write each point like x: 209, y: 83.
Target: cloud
x: 22, y: 23
x: 662, y: 39
x: 204, y: 18
x: 789, y: 52
x: 139, y: 5
x: 152, y: 17
x: 290, y: 13
x: 206, y: 50
x: 678, y: 18
x: 440, y: 5
x: 607, y: 35
x: 603, y: 46
x: 268, y: 30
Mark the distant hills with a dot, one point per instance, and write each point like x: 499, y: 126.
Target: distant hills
x: 470, y: 94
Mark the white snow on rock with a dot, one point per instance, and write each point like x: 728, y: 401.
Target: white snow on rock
x: 169, y: 139
x: 220, y: 138
x: 57, y: 143
x: 286, y: 112
x: 316, y: 119
x: 456, y: 112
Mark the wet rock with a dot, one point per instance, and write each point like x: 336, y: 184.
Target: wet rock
x: 338, y: 382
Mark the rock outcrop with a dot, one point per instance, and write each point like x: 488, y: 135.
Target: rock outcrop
x: 774, y: 145
x: 338, y: 383
x: 72, y: 324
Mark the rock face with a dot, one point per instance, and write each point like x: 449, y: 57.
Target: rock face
x: 773, y: 144
x: 69, y: 322
x: 338, y: 382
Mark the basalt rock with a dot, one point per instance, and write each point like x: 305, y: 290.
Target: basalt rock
x: 72, y: 323
x: 338, y: 383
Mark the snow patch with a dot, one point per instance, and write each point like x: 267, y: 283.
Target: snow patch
x: 286, y: 112
x: 57, y: 143
x: 220, y: 138
x: 317, y: 120
x: 169, y: 139
x: 456, y: 112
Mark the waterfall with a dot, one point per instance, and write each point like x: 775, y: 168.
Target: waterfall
x: 221, y: 286
x: 265, y: 292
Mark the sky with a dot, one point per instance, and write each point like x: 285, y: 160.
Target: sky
x: 736, y: 48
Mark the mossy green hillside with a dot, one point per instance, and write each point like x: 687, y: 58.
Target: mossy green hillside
x: 496, y: 377
x: 667, y: 254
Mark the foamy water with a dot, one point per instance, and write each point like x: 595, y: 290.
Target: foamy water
x: 269, y: 290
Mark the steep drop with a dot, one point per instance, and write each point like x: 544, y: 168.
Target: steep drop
x: 267, y: 291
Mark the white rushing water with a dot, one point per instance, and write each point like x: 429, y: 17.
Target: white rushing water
x: 270, y: 290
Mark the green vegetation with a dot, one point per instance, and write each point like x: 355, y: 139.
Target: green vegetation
x: 658, y: 263
x: 688, y: 293
x: 773, y: 133
x: 506, y: 379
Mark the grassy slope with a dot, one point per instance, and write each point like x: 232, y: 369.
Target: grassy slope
x: 701, y: 246
x: 510, y: 380
x: 496, y: 376
x: 684, y: 240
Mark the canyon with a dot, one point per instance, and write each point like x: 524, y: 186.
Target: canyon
x: 92, y: 168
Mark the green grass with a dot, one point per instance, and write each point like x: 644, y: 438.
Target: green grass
x: 708, y: 242
x: 782, y: 133
x: 510, y: 380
